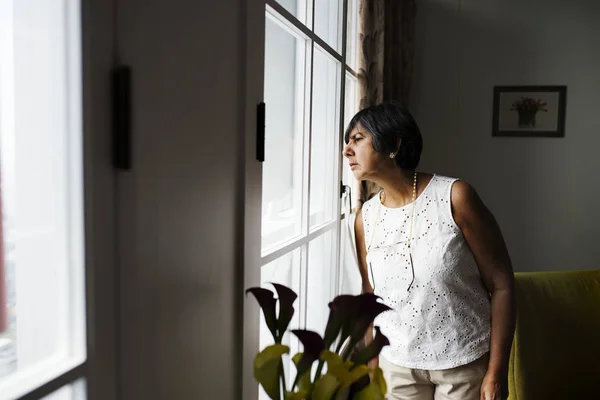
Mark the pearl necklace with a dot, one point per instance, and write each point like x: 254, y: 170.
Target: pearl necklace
x: 412, y: 214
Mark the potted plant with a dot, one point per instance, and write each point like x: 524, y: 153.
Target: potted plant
x: 347, y: 375
x: 527, y: 108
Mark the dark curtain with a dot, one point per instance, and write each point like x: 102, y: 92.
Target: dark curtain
x: 385, y: 58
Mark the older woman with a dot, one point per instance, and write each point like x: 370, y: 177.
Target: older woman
x: 432, y: 250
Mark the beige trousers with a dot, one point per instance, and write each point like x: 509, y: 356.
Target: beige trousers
x: 460, y: 383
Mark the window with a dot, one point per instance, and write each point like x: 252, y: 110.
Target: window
x: 310, y: 93
x: 74, y: 391
x: 42, y: 304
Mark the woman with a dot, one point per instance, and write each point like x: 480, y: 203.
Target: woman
x: 432, y: 250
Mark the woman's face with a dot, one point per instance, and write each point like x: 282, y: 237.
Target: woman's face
x: 364, y: 161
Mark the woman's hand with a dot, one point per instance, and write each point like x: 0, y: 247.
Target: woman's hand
x: 373, y: 365
x: 493, y: 387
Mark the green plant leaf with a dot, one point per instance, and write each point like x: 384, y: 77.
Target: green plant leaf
x: 365, y: 355
x: 348, y: 377
x: 379, y: 380
x: 299, y: 395
x: 286, y: 297
x: 332, y: 359
x: 345, y: 372
x: 267, y: 365
x: 375, y: 388
x: 359, y: 385
x: 267, y: 303
x: 302, y: 379
x: 371, y: 392
x: 325, y: 387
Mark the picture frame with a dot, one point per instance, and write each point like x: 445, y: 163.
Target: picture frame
x: 529, y: 111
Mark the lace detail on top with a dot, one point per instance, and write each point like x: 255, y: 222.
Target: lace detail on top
x: 444, y: 320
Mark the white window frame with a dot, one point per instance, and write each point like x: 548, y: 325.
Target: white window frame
x: 286, y: 18
x: 91, y: 57
x: 254, y: 259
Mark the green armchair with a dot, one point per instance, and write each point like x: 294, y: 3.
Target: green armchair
x: 556, y: 350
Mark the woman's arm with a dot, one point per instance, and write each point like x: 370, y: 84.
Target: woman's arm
x: 482, y: 234
x: 361, y: 250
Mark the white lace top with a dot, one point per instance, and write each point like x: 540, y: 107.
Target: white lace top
x: 443, y: 321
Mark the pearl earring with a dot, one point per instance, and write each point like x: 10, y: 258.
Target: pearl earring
x: 392, y: 155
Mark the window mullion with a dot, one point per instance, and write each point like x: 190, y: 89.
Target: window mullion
x: 311, y: 24
x: 307, y: 182
x: 297, y: 243
x: 344, y: 36
x: 303, y: 284
x: 342, y: 82
x: 307, y: 142
x: 285, y: 17
x: 53, y: 385
x: 307, y: 92
x: 351, y: 71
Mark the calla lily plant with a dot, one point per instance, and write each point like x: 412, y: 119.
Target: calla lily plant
x: 342, y: 371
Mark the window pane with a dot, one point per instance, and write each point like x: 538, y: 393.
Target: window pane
x: 74, y: 391
x: 286, y: 271
x: 321, y: 282
x: 328, y: 22
x: 352, y: 35
x: 350, y: 108
x: 282, y: 171
x: 42, y: 301
x: 324, y: 143
x: 296, y: 7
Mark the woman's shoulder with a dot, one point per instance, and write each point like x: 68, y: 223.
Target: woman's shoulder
x: 444, y: 187
x: 439, y: 178
x: 436, y: 183
x: 455, y: 190
x: 456, y: 184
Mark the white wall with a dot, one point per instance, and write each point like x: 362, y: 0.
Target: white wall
x: 544, y: 192
x: 181, y: 206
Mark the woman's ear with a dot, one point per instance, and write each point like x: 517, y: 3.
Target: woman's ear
x: 399, y: 144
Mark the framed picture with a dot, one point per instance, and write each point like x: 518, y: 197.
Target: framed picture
x: 529, y: 111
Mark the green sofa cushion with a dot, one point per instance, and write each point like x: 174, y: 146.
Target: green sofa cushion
x: 556, y: 351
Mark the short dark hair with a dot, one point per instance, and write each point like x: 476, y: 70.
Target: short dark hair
x: 387, y: 123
